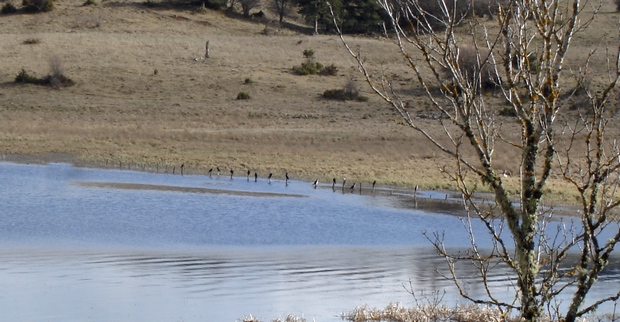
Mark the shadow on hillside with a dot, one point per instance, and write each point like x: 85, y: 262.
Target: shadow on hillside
x: 182, y: 6
x: 195, y: 6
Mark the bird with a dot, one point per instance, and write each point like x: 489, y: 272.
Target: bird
x: 248, y: 176
x: 334, y: 184
x: 353, y: 186
x: 218, y: 170
x: 506, y: 174
x: 182, y: 168
x: 374, y: 183
x: 344, y: 181
x: 255, y: 176
x: 287, y: 178
x: 269, y: 177
x: 231, y: 173
x: 210, y: 172
x: 316, y: 183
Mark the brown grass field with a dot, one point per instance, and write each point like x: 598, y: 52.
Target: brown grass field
x: 144, y: 97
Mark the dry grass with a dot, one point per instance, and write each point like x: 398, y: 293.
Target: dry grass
x: 288, y: 318
x: 120, y: 110
x: 425, y: 313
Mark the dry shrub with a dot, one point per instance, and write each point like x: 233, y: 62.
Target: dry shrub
x: 56, y: 77
x: 398, y: 313
x: 290, y: 318
x: 32, y: 41
x: 350, y: 92
x: 250, y: 319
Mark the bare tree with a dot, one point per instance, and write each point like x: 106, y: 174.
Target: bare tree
x: 282, y: 8
x: 521, y: 57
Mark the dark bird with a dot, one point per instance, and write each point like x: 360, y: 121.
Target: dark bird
x: 374, y: 183
x: 269, y: 177
x: 334, y: 184
x: 255, y: 176
x: 353, y: 186
x: 231, y: 173
x: 210, y: 172
x: 316, y: 183
x: 218, y: 170
x: 182, y: 168
x: 287, y: 178
x: 248, y: 176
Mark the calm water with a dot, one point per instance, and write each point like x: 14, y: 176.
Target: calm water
x: 75, y: 247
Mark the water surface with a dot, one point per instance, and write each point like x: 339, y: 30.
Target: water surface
x: 81, y: 244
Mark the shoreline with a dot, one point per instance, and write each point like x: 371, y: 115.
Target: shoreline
x: 438, y: 202
x: 443, y: 202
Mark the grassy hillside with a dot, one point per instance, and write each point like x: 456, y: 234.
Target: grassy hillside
x: 144, y: 95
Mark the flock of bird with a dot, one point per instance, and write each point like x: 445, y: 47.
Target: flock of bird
x: 315, y: 184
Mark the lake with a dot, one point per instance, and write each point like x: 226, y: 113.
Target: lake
x: 79, y: 244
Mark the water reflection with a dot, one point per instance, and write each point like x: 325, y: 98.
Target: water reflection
x: 73, y: 246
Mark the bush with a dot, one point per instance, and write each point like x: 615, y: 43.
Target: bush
x: 248, y: 81
x: 55, y: 79
x: 25, y: 78
x: 90, y: 3
x: 330, y: 70
x: 38, y: 5
x: 8, y: 8
x: 307, y: 68
x: 310, y: 67
x: 243, y: 96
x: 350, y: 92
